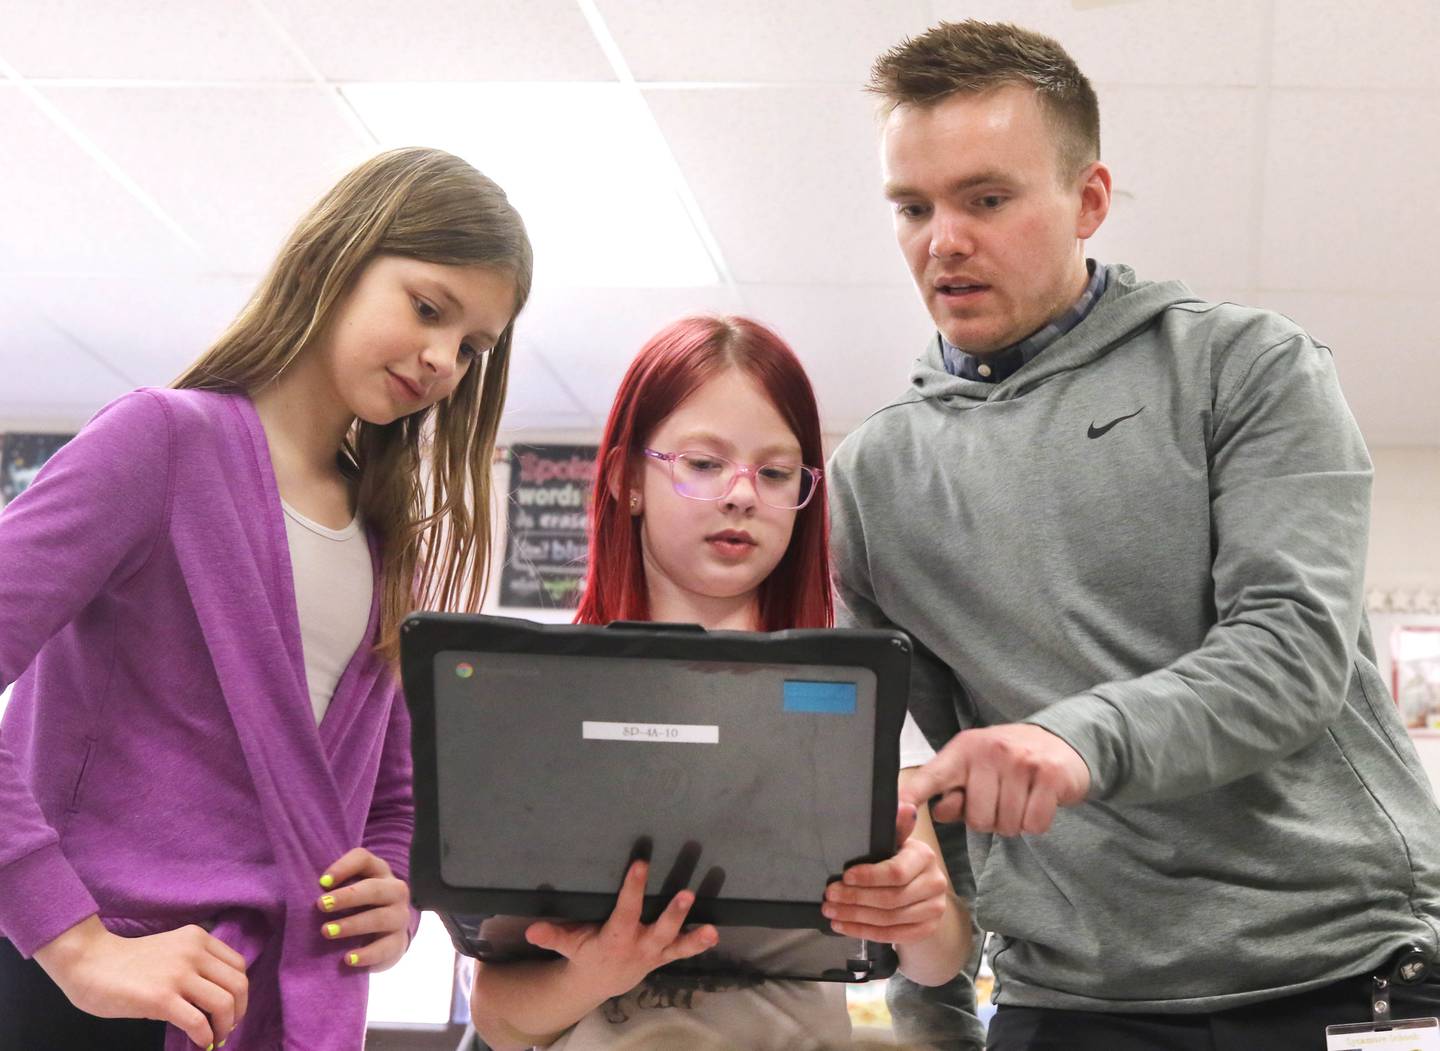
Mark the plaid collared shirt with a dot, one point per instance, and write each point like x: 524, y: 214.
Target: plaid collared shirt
x: 1001, y: 364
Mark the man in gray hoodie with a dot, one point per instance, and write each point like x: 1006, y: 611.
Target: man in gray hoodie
x: 1127, y: 530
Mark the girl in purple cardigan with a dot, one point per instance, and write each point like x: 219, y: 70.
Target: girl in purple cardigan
x: 205, y: 806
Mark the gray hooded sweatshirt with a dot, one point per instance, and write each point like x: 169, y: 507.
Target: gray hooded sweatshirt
x: 1150, y: 540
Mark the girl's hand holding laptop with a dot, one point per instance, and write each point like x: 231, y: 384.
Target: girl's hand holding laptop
x: 901, y: 900
x: 612, y: 958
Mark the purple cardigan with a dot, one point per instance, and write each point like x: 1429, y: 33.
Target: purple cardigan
x: 159, y: 762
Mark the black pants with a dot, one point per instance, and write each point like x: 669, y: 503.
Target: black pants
x: 36, y: 1016
x: 1292, y: 1023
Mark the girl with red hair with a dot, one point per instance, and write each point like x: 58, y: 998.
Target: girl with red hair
x: 708, y: 508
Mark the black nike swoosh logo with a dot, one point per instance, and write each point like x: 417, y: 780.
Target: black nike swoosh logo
x: 1095, y: 432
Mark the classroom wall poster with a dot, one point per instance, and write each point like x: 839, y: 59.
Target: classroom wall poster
x: 21, y: 457
x: 1415, y: 653
x: 547, y: 526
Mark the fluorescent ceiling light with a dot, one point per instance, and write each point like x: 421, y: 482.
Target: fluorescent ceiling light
x: 584, y: 163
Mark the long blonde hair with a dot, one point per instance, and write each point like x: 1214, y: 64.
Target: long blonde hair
x: 422, y: 204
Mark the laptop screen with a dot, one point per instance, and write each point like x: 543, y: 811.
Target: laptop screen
x: 749, y: 779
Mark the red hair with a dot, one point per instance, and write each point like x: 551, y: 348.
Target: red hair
x: 669, y: 368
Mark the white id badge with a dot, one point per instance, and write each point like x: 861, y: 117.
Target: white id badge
x: 1409, y: 1034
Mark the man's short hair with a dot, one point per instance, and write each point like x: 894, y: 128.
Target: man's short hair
x: 975, y: 57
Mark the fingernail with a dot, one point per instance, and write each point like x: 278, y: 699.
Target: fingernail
x: 210, y: 1046
x: 221, y: 1044
x: 328, y: 902
x: 354, y: 959
x: 826, y: 911
x: 327, y: 881
x: 332, y: 930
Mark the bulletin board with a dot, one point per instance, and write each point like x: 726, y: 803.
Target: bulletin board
x: 547, y: 526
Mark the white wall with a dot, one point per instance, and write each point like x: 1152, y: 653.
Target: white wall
x: 1403, y: 565
x: 1405, y: 522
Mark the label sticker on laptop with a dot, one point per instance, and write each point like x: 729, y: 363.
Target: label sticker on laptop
x: 824, y: 698
x: 657, y: 733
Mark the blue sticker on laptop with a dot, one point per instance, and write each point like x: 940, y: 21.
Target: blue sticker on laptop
x: 822, y: 698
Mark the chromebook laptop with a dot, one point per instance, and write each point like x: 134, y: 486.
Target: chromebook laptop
x: 751, y: 768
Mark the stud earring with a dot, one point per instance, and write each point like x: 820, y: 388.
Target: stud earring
x: 634, y: 503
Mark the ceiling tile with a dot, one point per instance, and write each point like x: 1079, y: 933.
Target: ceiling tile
x: 1341, y: 44
x: 1151, y: 42
x: 1385, y: 354
x: 788, y: 179
x: 49, y: 380
x: 1350, y: 187
x: 532, y: 391
x: 547, y: 425
x: 235, y: 166
x: 589, y: 336
x: 1171, y: 217
x: 857, y: 343
x: 598, y: 189
x: 1345, y: 150
x: 154, y: 40
x: 799, y: 41
x: 379, y: 40
x: 148, y: 327
x: 59, y: 210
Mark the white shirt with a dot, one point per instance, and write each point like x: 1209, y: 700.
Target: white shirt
x: 914, y: 749
x: 334, y: 585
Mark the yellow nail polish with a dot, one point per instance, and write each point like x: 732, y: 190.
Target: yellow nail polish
x: 210, y: 1047
x: 221, y: 1044
x: 327, y: 881
x: 332, y: 929
x: 328, y: 902
x: 354, y: 959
